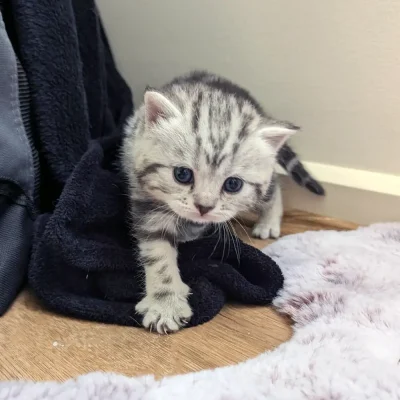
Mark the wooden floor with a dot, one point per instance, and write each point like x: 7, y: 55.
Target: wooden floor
x: 35, y: 344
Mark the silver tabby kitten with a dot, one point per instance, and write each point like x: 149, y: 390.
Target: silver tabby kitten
x: 199, y: 151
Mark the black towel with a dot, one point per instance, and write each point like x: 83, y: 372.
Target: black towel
x: 77, y: 92
x: 84, y: 261
x: 69, y: 92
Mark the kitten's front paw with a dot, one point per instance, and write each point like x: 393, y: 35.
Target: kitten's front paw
x: 165, y: 311
x: 266, y: 230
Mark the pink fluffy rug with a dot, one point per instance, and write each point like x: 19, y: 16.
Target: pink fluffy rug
x: 342, y: 291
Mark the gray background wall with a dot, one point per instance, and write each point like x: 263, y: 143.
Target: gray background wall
x: 332, y: 67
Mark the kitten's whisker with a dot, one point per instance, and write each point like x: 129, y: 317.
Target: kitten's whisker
x: 153, y: 213
x: 216, y: 244
x: 211, y: 233
x: 223, y: 250
x: 178, y: 226
x: 159, y: 213
x: 169, y: 217
x: 236, y: 242
x: 229, y: 239
x: 244, y: 230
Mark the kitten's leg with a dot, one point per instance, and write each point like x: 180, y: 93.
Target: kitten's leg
x: 269, y: 223
x: 165, y: 307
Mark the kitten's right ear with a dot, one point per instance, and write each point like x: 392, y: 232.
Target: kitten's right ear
x: 158, y: 106
x: 276, y: 134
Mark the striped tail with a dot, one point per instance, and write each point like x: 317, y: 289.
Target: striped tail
x: 289, y: 161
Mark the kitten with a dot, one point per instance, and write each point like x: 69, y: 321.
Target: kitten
x: 199, y: 151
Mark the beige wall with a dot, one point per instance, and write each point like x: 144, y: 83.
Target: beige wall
x: 332, y: 67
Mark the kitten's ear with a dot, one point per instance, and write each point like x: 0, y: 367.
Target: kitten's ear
x: 276, y: 134
x: 158, y: 106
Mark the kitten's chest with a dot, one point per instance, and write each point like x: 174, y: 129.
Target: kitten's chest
x: 188, y: 231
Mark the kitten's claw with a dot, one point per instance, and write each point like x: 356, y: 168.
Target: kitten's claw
x: 164, y: 315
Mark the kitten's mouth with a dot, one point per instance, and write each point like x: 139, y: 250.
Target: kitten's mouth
x: 197, y: 219
x: 200, y: 220
x: 199, y: 223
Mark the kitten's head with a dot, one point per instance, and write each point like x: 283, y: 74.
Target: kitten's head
x: 206, y: 155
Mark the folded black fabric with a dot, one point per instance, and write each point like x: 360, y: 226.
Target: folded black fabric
x: 84, y: 261
x: 77, y: 91
x: 60, y: 89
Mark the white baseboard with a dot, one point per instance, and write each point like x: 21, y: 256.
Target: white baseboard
x: 355, y: 195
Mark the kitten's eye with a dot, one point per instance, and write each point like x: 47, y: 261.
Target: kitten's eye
x: 183, y: 175
x: 233, y: 185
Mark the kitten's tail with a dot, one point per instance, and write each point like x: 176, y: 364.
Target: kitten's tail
x: 290, y: 162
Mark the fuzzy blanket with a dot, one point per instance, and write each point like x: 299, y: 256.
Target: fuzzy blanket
x: 342, y: 291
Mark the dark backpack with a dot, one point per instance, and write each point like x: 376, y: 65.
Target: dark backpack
x: 19, y: 172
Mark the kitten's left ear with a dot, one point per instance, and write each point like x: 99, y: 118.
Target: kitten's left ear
x: 158, y: 106
x: 276, y: 134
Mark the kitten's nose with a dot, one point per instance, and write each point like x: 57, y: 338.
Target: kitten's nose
x: 203, y: 209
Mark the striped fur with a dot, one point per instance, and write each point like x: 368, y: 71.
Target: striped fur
x: 217, y: 130
x: 289, y: 160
